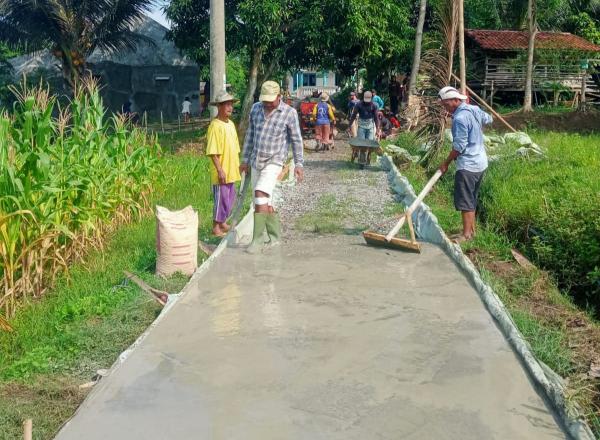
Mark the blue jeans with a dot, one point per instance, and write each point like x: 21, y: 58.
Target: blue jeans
x: 366, y: 133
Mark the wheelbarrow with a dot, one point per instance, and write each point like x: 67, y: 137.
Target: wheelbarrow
x: 362, y: 150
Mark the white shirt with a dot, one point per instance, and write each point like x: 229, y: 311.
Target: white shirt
x: 186, y: 107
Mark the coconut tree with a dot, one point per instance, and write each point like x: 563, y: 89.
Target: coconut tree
x: 412, y: 90
x: 72, y: 29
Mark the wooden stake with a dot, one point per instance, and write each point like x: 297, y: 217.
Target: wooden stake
x: 28, y: 429
x: 159, y: 296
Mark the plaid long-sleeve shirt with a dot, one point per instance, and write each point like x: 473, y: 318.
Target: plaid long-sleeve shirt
x: 268, y: 139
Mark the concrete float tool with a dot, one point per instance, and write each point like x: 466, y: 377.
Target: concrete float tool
x: 392, y: 242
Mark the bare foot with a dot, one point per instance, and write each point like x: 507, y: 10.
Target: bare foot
x: 225, y: 227
x: 218, y: 232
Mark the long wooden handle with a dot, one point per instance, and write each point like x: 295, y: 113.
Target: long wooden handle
x: 414, y: 205
x: 487, y: 106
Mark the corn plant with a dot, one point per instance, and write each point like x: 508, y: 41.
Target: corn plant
x: 67, y: 177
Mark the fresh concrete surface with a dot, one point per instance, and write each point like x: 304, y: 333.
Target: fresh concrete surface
x: 324, y: 338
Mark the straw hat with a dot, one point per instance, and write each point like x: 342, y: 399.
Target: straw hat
x: 324, y: 97
x: 223, y: 97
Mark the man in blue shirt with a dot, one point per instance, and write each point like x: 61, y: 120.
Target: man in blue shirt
x: 469, y: 152
x: 377, y: 100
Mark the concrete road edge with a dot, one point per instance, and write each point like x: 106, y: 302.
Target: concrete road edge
x: 428, y: 229
x: 244, y: 228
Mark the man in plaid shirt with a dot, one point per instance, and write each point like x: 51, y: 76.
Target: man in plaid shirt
x: 274, y: 126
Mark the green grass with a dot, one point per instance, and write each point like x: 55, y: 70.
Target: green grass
x: 83, y: 324
x: 176, y: 140
x: 552, y: 207
x: 544, y: 109
x: 327, y: 216
x: 549, y: 345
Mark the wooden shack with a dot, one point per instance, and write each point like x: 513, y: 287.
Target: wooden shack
x: 497, y: 61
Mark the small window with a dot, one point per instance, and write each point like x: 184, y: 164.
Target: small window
x: 310, y: 80
x: 162, y: 78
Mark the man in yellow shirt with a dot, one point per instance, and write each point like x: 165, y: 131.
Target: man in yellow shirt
x: 223, y: 148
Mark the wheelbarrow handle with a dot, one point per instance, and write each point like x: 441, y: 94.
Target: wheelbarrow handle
x: 414, y: 205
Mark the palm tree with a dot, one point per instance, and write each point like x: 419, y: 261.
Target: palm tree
x: 72, y: 29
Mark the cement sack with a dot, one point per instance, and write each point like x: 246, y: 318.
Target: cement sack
x: 176, y: 241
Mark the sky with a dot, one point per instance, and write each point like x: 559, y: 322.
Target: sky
x: 158, y: 15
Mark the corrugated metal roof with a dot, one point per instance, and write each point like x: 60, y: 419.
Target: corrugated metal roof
x: 517, y: 40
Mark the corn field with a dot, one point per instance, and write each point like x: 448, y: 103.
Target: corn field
x: 67, y: 176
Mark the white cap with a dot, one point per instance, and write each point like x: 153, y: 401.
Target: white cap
x: 451, y: 93
x: 367, y: 96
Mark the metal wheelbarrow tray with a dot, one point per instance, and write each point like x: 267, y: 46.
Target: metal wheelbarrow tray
x: 362, y: 150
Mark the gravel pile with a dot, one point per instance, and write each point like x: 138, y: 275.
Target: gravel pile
x: 360, y: 198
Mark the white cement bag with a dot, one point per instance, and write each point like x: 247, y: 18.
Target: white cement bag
x: 176, y: 241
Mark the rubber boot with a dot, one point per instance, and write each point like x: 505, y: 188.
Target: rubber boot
x: 260, y: 223
x: 273, y: 229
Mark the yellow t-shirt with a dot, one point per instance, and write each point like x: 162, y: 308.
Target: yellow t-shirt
x: 222, y: 140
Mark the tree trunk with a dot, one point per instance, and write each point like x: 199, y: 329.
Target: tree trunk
x: 452, y: 38
x: 69, y: 72
x: 266, y: 73
x: 532, y: 27
x: 417, y: 55
x: 256, y: 61
x: 582, y: 102
x: 461, y: 47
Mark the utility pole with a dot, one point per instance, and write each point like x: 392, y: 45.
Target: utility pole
x: 217, y: 50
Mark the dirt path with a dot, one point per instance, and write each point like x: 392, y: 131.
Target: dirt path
x: 322, y: 338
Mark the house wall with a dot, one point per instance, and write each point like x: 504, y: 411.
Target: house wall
x: 143, y: 86
x: 299, y: 79
x: 301, y: 84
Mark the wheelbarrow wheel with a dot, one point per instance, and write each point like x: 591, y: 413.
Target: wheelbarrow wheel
x: 362, y: 159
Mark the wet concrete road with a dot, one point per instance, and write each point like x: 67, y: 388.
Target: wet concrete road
x: 324, y: 339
